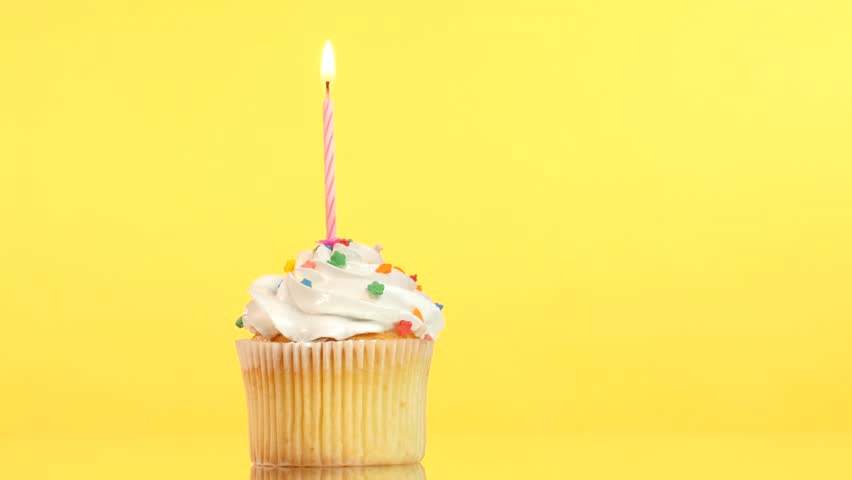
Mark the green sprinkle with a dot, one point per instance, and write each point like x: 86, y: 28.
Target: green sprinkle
x: 337, y: 260
x: 376, y: 288
x: 239, y: 323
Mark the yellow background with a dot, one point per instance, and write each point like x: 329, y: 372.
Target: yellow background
x: 638, y: 214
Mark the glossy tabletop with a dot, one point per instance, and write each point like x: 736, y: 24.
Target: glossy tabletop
x: 449, y: 456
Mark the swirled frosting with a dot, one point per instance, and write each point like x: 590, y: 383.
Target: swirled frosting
x: 323, y: 299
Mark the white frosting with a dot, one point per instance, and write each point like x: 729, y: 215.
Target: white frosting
x: 338, y: 305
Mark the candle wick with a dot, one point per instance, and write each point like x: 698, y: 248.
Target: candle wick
x: 327, y: 86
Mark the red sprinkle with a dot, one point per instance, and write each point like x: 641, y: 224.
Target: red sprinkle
x: 413, y: 277
x: 403, y: 328
x: 309, y: 264
x: 428, y: 337
x: 333, y: 242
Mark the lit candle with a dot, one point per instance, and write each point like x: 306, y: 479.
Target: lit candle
x: 327, y: 75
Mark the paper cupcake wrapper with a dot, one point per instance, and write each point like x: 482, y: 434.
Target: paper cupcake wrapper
x: 351, y: 402
x: 389, y: 472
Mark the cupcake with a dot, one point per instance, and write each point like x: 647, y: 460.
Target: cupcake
x: 335, y: 373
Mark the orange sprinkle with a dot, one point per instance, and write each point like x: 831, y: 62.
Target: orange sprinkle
x: 384, y: 268
x: 401, y: 270
x: 417, y: 314
x: 419, y: 288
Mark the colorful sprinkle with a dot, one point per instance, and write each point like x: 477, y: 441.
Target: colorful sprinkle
x: 309, y: 264
x: 403, y: 328
x: 334, y: 241
x: 376, y: 288
x: 239, y: 322
x: 397, y: 268
x: 440, y: 307
x: 428, y: 337
x: 307, y: 283
x: 289, y: 266
x: 413, y: 277
x: 417, y: 314
x: 419, y: 288
x: 384, y: 268
x: 337, y: 260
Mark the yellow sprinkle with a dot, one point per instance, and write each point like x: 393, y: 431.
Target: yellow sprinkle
x: 290, y: 266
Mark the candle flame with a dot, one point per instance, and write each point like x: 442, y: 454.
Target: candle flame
x: 327, y: 69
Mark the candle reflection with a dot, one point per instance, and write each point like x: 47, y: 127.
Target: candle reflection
x: 389, y: 472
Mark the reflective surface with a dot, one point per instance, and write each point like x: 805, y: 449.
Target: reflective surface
x: 595, y: 456
x: 390, y: 472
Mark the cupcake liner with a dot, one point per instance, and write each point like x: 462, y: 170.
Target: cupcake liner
x: 388, y: 472
x: 350, y: 402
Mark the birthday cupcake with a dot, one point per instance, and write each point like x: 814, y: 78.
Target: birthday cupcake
x: 335, y: 373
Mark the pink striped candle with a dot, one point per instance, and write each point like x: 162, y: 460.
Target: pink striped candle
x: 328, y: 144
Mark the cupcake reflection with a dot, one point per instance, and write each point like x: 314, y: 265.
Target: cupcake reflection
x: 388, y: 472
